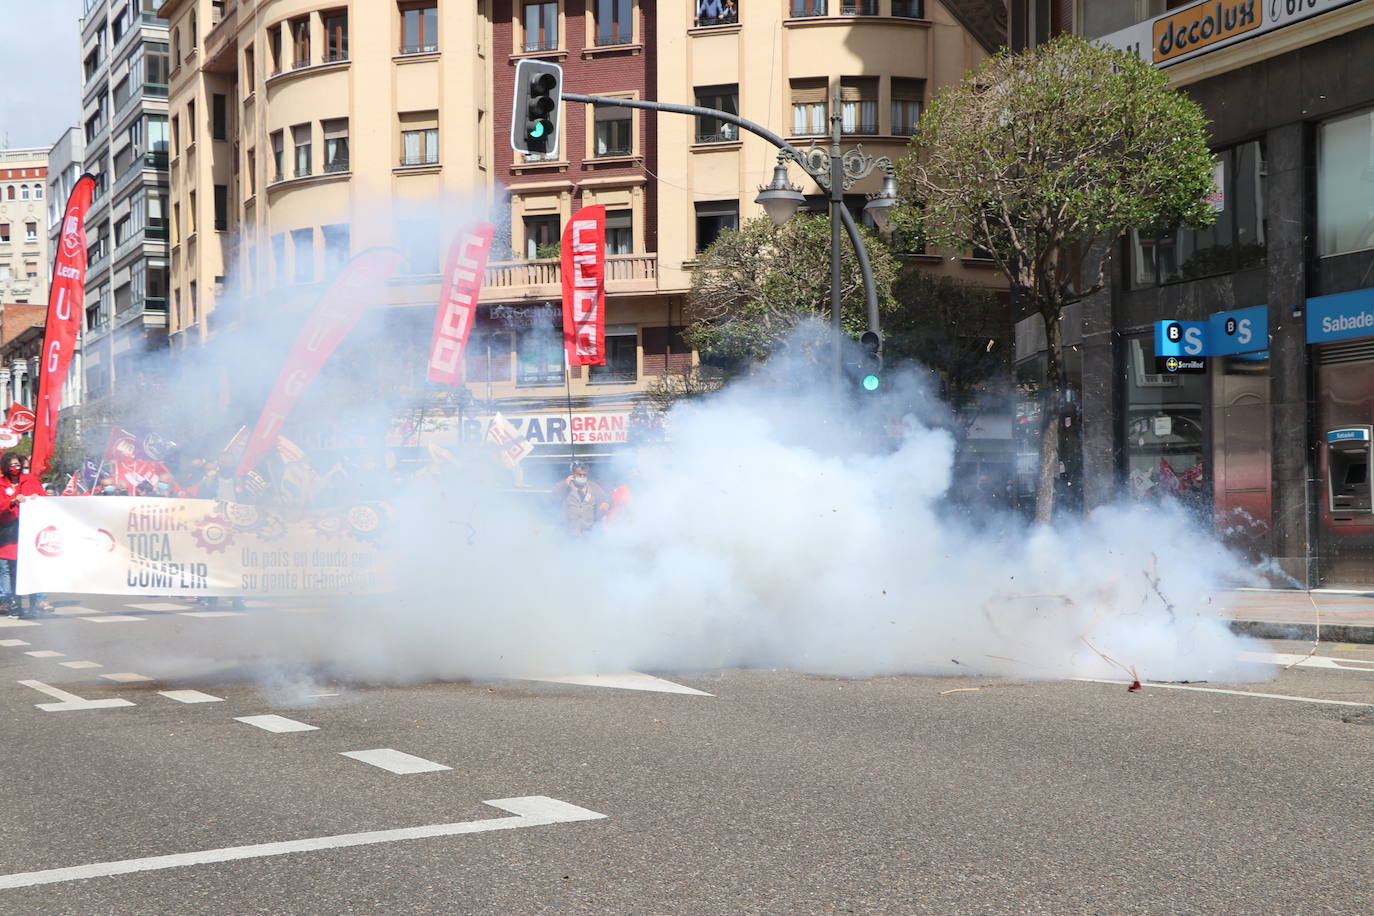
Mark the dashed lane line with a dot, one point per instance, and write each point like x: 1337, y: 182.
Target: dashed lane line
x: 68, y: 702
x: 13, y: 642
x: 46, y: 653
x: 529, y: 811
x: 623, y: 680
x: 113, y: 618
x: 211, y: 614
x: 277, y: 724
x: 11, y: 622
x: 81, y: 664
x: 159, y: 606
x: 190, y: 696
x: 126, y: 677
x: 1239, y: 693
x: 396, y: 761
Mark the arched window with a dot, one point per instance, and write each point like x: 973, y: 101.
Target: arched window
x: 38, y: 192
x: 9, y: 193
x: 23, y: 192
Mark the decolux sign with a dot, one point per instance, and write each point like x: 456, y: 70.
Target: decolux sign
x: 1340, y: 316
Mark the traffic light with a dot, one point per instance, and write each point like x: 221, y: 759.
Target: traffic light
x: 871, y: 361
x: 534, y: 119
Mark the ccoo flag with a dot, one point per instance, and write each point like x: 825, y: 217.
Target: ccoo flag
x: 584, y: 287
x: 64, y: 320
x: 467, y: 259
x: 360, y: 284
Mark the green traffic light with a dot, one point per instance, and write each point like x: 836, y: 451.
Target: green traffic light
x: 537, y: 130
x: 871, y: 383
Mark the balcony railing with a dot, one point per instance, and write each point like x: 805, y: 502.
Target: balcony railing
x: 859, y: 8
x: 420, y: 159
x: 804, y: 8
x: 620, y: 269
x: 726, y: 17
x: 610, y: 39
x: 422, y: 47
x: 338, y: 164
x: 909, y: 9
x: 863, y: 127
x: 541, y: 44
x: 300, y: 64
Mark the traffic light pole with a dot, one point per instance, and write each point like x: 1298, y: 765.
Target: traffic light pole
x: 831, y: 178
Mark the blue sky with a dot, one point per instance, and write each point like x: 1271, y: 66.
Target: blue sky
x: 40, y: 70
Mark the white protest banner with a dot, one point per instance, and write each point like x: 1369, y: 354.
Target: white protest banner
x: 125, y: 545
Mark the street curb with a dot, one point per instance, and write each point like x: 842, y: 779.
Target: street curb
x: 1331, y: 632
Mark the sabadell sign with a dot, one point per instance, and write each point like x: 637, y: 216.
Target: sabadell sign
x: 1191, y: 31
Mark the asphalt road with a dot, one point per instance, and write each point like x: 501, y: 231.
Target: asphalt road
x: 765, y: 792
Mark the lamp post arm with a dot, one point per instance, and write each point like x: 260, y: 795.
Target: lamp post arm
x: 851, y: 227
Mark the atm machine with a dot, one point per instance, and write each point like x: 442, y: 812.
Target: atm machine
x: 1349, y: 484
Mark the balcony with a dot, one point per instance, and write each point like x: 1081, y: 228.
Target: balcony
x: 338, y: 164
x: 423, y: 47
x: 726, y: 17
x: 859, y: 8
x: 541, y: 278
x: 909, y: 9
x: 535, y: 45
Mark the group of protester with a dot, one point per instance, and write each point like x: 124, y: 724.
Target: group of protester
x: 16, y: 486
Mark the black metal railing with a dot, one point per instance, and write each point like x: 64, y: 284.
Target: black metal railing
x: 420, y: 159
x: 337, y: 164
x: 420, y: 47
x: 859, y: 8
x: 863, y: 127
x: 727, y: 134
x: 803, y: 8
x: 909, y: 9
x: 541, y: 44
x: 608, y: 39
x: 727, y: 18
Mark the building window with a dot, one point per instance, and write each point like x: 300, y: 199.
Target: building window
x: 614, y: 25
x: 121, y: 231
x: 613, y: 131
x: 906, y: 105
x: 250, y: 166
x: 279, y: 257
x: 539, y: 353
x: 249, y: 80
x: 809, y: 109
x: 487, y: 357
x: 419, y: 241
x: 38, y: 192
x: 336, y: 250
x: 1233, y: 242
x: 336, y: 35
x: 717, y: 12
x: 300, y: 42
x: 541, y: 26
x: 808, y: 7
x: 221, y: 207
x: 30, y: 232
x: 713, y: 218
x: 419, y: 137
x: 219, y: 117
x: 191, y: 223
x: 1345, y: 184
x: 23, y: 192
x: 859, y: 104
x: 303, y: 251
x: 721, y: 98
x: 4, y: 233
x: 859, y: 8
x: 419, y: 28
x: 335, y: 144
x: 665, y: 350
x: 274, y: 47
x: 622, y: 358
x: 619, y: 232
x: 300, y: 138
x: 542, y: 236
x: 190, y: 124
x: 277, y: 146
x: 913, y: 9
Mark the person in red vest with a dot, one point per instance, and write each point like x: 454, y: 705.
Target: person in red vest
x: 15, y: 487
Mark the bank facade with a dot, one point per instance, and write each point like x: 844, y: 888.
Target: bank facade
x: 1271, y: 438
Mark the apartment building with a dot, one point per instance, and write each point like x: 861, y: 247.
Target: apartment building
x: 23, y: 233
x: 304, y: 131
x: 124, y: 131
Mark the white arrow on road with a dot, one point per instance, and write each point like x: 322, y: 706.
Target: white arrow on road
x: 70, y: 701
x: 529, y: 811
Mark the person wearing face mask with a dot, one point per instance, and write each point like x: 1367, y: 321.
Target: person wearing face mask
x: 15, y: 487
x: 583, y: 500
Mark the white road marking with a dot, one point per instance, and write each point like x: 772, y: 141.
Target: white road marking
x: 113, y: 618
x: 46, y: 653
x: 396, y: 761
x: 15, y: 622
x: 158, y: 607
x: 70, y: 701
x: 126, y: 677
x: 1308, y: 661
x: 190, y: 696
x: 81, y: 664
x: 210, y: 614
x: 276, y: 724
x: 74, y: 610
x: 1239, y: 693
x: 625, y: 680
x: 530, y: 811
x: 13, y: 642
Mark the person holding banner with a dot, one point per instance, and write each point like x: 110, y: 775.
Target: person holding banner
x: 15, y: 487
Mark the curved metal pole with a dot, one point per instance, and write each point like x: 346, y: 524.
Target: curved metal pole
x: 846, y: 218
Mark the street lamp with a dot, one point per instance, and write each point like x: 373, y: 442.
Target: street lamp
x: 780, y: 198
x: 880, y: 205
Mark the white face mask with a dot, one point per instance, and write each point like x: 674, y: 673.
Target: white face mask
x: 580, y: 480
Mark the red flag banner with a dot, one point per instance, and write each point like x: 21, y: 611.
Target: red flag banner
x: 64, y: 319
x: 467, y: 259
x: 584, y: 287
x: 20, y: 418
x: 360, y: 284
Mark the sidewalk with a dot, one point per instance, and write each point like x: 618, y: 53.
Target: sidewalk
x: 1344, y: 615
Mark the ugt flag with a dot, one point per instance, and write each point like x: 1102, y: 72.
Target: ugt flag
x: 584, y: 287
x: 64, y: 319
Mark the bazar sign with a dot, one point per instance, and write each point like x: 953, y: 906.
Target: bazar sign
x: 1194, y: 30
x: 559, y: 429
